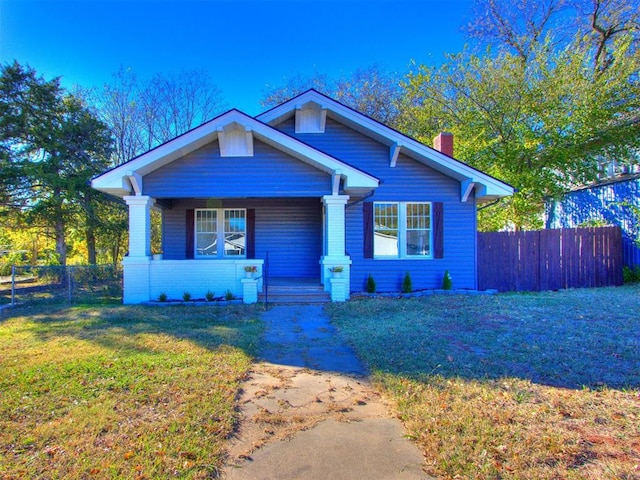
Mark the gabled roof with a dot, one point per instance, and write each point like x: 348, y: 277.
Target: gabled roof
x: 487, y: 187
x: 126, y: 179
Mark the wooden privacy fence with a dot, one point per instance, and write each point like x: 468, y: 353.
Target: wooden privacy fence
x: 550, y: 259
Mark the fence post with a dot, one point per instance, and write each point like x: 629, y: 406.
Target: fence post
x: 69, y: 280
x: 13, y: 285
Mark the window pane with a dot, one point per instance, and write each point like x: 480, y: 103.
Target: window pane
x: 418, y: 235
x: 385, y: 237
x: 234, y: 233
x: 418, y: 242
x: 206, y: 244
x: 206, y: 232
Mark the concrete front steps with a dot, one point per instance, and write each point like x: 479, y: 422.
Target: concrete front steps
x: 295, y: 293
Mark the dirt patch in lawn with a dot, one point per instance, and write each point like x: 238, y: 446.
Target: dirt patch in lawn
x: 279, y: 401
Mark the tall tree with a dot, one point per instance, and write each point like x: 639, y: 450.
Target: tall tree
x: 371, y: 91
x: 53, y: 145
x: 536, y: 107
x: 517, y: 26
x: 542, y: 126
x: 142, y: 115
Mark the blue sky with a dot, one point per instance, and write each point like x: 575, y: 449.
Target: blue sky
x: 243, y: 45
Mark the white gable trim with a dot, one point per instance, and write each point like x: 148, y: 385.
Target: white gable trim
x: 487, y: 187
x: 310, y: 118
x: 394, y: 151
x: 116, y: 181
x: 235, y: 140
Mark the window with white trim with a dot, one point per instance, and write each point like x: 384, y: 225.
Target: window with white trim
x: 402, y: 230
x: 232, y: 227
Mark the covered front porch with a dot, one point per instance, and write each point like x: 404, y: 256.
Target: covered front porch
x: 300, y: 238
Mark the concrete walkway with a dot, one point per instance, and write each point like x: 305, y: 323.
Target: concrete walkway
x: 308, y: 411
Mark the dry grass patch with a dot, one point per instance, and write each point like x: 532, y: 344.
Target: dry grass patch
x: 122, y: 392
x: 541, y: 386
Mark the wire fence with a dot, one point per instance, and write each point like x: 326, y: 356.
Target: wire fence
x: 57, y: 284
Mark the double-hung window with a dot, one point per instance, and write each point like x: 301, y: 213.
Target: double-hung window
x: 227, y: 225
x: 402, y: 230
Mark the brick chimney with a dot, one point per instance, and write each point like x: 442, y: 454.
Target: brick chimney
x: 444, y: 143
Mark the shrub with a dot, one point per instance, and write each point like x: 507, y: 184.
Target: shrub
x: 631, y: 275
x: 209, y: 296
x: 447, y: 283
x: 371, y: 284
x: 162, y: 297
x: 228, y: 295
x: 407, y: 285
x: 186, y: 296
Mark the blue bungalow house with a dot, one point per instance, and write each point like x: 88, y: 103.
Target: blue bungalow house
x: 309, y: 185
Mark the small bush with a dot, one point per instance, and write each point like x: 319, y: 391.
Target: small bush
x: 186, y: 296
x: 407, y: 284
x: 631, y: 275
x: 228, y: 295
x: 162, y: 297
x: 209, y: 296
x: 447, y: 283
x: 371, y: 285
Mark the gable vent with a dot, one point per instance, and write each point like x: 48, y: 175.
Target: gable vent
x: 235, y: 140
x: 310, y: 118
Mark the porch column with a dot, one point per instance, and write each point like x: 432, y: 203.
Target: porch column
x: 139, y: 225
x: 136, y: 265
x: 334, y: 245
x: 334, y: 228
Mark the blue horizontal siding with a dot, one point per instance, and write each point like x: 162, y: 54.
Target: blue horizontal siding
x: 289, y: 230
x: 606, y: 203
x: 204, y: 174
x: 408, y: 181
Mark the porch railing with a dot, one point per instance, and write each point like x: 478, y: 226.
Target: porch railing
x: 265, y: 278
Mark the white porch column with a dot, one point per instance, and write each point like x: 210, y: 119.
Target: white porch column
x: 136, y: 265
x: 139, y: 225
x: 334, y: 224
x: 334, y: 245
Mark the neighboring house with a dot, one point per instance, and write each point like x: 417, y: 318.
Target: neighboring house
x: 614, y: 201
x: 310, y: 184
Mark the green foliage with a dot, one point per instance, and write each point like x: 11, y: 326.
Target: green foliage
x: 407, y: 284
x: 52, y: 145
x: 447, y: 283
x: 186, y: 296
x: 595, y: 222
x: 371, y: 284
x: 631, y: 275
x: 541, y: 125
x: 209, y: 296
x: 162, y: 297
x: 228, y: 295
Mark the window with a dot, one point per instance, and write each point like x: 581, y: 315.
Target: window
x: 208, y: 230
x: 402, y: 230
x: 385, y: 229
x: 206, y: 233
x: 418, y: 222
x: 234, y: 233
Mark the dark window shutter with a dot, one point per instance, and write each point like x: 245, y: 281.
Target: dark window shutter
x: 190, y: 232
x: 367, y: 213
x: 251, y: 233
x: 438, y: 230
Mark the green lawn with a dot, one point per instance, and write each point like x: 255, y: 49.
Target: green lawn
x: 507, y: 386
x: 541, y: 385
x: 120, y: 392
